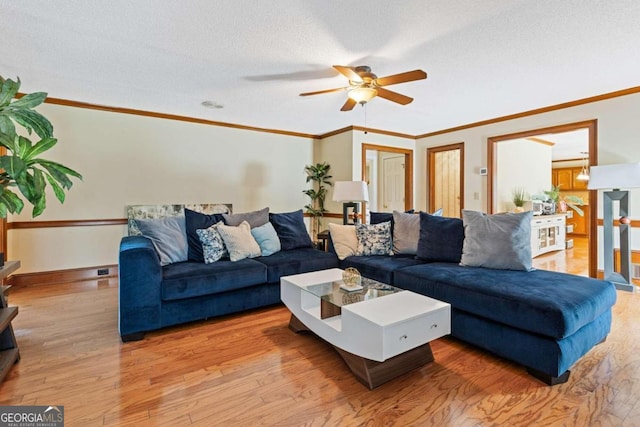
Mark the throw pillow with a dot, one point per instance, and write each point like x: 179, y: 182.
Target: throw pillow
x: 197, y: 221
x: 441, y: 238
x: 406, y: 232
x: 239, y: 241
x: 345, y: 239
x: 212, y: 244
x: 501, y: 241
x: 291, y: 230
x: 374, y: 239
x: 267, y: 239
x: 255, y: 218
x: 168, y: 235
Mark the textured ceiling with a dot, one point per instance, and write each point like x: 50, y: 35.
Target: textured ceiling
x: 484, y: 59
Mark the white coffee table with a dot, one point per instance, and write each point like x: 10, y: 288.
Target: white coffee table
x: 381, y: 332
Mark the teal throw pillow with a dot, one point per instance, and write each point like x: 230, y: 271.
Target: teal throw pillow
x: 267, y: 239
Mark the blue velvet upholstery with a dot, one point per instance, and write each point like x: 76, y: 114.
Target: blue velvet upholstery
x: 545, y: 302
x: 548, y: 355
x: 194, y: 279
x: 441, y: 238
x: 194, y: 221
x: 291, y: 230
x: 303, y: 260
x: 379, y: 267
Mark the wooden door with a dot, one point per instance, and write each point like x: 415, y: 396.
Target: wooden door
x: 446, y: 185
x: 393, y: 184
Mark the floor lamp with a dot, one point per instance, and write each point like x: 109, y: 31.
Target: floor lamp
x: 615, y: 177
x: 351, y: 193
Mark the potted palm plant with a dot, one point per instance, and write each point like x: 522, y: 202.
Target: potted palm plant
x: 318, y: 174
x: 563, y: 202
x: 25, y: 174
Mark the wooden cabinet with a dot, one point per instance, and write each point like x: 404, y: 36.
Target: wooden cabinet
x: 566, y: 178
x: 9, y: 353
x: 547, y: 234
x: 580, y: 223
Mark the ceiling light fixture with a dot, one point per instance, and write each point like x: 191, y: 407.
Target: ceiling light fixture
x: 584, y: 173
x: 362, y: 94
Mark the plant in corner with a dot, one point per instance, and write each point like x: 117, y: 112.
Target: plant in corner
x: 319, y: 175
x: 20, y: 164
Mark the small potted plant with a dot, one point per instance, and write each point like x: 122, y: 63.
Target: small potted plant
x: 518, y: 198
x: 564, y: 202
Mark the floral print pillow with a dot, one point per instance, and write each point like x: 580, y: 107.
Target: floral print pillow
x: 374, y: 239
x: 212, y: 244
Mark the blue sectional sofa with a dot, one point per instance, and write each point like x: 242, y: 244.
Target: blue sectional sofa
x: 543, y: 320
x: 154, y: 296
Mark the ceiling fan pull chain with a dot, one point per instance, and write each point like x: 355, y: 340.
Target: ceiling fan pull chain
x: 365, y: 118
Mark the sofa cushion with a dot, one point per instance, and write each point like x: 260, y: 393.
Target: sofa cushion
x: 239, y: 241
x: 441, y: 238
x: 255, y: 218
x: 374, y: 239
x: 291, y: 230
x: 501, y: 241
x: 344, y: 240
x: 213, y: 247
x: 545, y: 302
x: 193, y: 279
x: 380, y: 267
x: 168, y: 235
x: 197, y: 221
x: 302, y: 260
x: 406, y: 232
x: 267, y: 239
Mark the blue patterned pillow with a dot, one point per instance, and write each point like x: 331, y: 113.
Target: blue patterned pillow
x: 374, y: 239
x: 213, y: 247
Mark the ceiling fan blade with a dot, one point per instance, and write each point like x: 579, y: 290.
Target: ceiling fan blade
x: 409, y: 76
x: 338, y: 89
x: 348, y: 106
x: 349, y: 73
x: 394, y: 96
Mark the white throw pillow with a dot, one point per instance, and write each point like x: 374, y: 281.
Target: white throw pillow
x: 239, y: 241
x: 344, y: 238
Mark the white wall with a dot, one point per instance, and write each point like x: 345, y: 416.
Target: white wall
x: 127, y: 159
x: 521, y: 163
x: 618, y: 134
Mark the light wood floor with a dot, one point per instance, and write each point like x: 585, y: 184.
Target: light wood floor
x: 250, y: 369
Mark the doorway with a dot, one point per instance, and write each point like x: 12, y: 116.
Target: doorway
x: 446, y: 179
x: 388, y: 172
x: 590, y: 159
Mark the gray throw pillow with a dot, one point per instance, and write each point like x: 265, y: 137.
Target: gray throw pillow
x: 169, y: 236
x: 501, y: 241
x: 406, y: 233
x: 255, y: 218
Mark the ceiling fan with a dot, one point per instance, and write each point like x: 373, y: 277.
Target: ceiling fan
x: 364, y: 85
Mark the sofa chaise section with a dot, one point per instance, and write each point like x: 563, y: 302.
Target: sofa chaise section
x: 541, y: 319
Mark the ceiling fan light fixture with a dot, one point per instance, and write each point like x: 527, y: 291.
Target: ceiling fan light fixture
x: 362, y: 94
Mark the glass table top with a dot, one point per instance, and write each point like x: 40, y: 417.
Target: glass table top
x: 332, y: 292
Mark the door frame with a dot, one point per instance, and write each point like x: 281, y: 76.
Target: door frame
x: 408, y: 169
x: 431, y: 151
x: 592, y: 127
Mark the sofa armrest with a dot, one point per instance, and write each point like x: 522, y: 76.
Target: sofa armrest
x: 140, y: 277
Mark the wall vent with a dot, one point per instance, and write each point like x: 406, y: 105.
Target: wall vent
x: 635, y: 271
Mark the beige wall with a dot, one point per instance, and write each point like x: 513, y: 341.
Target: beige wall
x: 127, y: 159
x: 618, y: 134
x: 521, y: 163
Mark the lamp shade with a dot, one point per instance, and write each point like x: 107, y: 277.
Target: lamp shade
x: 361, y: 94
x: 350, y: 191
x: 623, y: 175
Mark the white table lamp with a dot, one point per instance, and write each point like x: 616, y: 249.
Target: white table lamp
x: 351, y: 193
x: 615, y: 177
